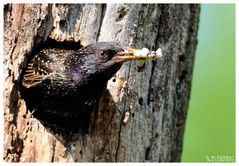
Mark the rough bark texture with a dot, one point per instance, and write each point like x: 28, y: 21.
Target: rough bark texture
x: 156, y: 97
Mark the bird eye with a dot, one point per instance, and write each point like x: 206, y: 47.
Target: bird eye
x: 107, y: 55
x: 102, y: 54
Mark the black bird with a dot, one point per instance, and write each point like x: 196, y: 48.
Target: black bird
x: 66, y: 83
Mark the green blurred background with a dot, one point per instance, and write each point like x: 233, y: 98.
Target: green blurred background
x: 210, y: 126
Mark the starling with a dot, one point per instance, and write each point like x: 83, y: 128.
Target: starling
x: 66, y: 83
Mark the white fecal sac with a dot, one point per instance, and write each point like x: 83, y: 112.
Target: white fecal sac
x: 142, y: 52
x: 159, y: 53
x: 150, y: 54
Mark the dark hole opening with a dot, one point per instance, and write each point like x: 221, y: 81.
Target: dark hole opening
x: 147, y: 158
x: 183, y: 75
x: 141, y: 101
x: 181, y: 58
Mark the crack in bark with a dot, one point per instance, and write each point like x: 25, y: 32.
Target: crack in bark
x: 153, y: 135
x: 53, y: 149
x: 121, y: 121
x: 103, y: 10
x: 150, y: 82
x: 156, y: 43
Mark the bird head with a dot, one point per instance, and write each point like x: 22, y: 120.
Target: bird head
x: 101, y: 60
x: 107, y: 57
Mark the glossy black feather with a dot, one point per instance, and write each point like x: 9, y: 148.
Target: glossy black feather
x: 65, y: 83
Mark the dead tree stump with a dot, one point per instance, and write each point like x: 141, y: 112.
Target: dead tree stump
x: 155, y: 98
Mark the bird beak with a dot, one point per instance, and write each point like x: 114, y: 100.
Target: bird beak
x: 128, y: 54
x: 137, y: 54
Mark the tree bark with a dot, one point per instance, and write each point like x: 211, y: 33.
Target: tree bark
x: 155, y: 97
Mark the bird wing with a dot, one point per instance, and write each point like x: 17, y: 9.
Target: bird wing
x: 44, y: 64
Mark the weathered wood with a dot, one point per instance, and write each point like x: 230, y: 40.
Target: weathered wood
x: 156, y: 97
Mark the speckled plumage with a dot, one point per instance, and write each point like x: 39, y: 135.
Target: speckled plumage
x: 66, y: 83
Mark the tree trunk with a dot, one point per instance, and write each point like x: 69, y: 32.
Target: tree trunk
x: 155, y: 96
